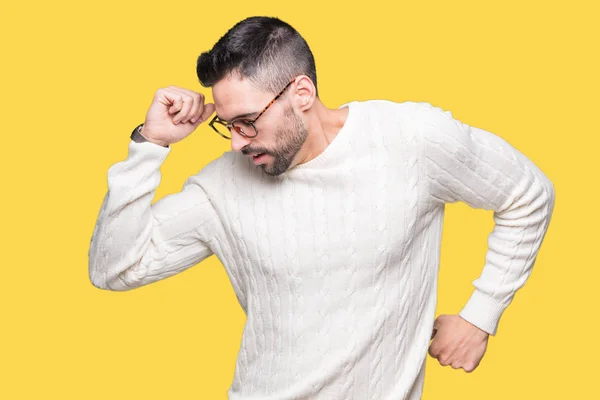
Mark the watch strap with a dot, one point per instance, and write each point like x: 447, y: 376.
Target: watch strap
x: 137, y: 137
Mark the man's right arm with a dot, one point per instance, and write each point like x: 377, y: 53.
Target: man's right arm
x: 135, y: 242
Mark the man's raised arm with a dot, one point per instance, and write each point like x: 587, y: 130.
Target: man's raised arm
x: 134, y: 242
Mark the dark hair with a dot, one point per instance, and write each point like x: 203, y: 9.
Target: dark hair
x: 265, y: 50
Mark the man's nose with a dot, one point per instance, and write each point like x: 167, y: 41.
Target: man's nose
x: 238, y: 141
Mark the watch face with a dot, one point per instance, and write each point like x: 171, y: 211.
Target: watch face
x: 136, y: 136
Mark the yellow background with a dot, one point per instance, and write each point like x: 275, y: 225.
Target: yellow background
x: 76, y: 77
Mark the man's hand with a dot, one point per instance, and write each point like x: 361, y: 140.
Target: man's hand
x: 457, y: 342
x: 174, y: 114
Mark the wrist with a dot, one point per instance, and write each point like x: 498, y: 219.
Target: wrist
x: 138, y: 136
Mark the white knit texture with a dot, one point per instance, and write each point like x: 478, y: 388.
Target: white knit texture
x: 335, y: 262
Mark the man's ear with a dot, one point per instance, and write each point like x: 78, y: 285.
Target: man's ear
x: 305, y: 92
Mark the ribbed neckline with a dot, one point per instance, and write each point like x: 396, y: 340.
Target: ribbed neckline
x: 329, y: 155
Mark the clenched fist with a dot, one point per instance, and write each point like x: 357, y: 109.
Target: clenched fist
x: 457, y: 342
x: 174, y: 114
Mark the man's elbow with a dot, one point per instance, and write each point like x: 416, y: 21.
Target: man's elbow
x: 549, y: 195
x: 106, y: 282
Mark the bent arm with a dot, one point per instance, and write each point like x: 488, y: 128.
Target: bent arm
x: 135, y: 242
x: 472, y: 165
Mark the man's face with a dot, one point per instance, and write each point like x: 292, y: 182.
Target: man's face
x: 281, y: 133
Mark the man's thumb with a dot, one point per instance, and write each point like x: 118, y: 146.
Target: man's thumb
x: 208, y: 110
x: 433, y: 333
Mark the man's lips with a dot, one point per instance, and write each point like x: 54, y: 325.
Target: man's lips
x: 255, y: 154
x: 258, y: 157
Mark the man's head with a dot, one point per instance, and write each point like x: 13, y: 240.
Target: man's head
x: 249, y: 66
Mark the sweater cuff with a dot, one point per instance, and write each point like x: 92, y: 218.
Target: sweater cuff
x: 483, y: 311
x: 149, y: 147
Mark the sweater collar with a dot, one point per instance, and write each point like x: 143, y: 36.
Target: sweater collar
x: 336, y: 148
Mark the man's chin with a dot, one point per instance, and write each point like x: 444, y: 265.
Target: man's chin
x: 268, y: 171
x: 274, y: 167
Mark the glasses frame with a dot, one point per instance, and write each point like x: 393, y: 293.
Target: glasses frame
x: 230, y: 125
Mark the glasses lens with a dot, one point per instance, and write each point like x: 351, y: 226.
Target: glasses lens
x: 244, y: 128
x: 222, y: 129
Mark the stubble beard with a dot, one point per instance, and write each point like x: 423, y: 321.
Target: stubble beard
x: 289, y: 140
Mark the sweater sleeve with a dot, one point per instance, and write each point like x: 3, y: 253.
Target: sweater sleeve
x: 479, y: 168
x: 134, y: 242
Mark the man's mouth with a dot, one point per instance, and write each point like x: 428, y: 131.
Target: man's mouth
x: 254, y: 155
x: 258, y: 157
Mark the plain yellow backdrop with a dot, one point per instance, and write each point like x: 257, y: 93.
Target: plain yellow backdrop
x: 77, y: 77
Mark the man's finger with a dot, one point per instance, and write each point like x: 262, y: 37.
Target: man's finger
x: 207, y: 111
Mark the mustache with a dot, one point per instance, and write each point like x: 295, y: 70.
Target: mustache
x: 253, y: 151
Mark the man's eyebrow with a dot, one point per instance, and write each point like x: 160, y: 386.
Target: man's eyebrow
x: 245, y: 115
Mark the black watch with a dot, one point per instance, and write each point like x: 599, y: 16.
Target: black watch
x: 137, y: 137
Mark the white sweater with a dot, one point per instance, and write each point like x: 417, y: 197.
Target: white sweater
x: 334, y: 262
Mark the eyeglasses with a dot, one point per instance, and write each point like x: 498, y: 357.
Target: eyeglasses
x: 243, y: 126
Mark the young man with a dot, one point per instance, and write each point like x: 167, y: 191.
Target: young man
x: 327, y: 221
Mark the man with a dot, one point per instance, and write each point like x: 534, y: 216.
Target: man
x: 327, y: 221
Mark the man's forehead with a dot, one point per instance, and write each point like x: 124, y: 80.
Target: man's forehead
x: 235, y: 97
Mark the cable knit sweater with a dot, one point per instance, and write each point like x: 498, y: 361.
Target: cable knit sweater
x: 335, y: 262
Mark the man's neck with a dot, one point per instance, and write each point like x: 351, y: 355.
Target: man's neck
x: 323, y: 126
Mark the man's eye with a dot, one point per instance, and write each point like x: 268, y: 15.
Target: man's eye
x: 243, y: 121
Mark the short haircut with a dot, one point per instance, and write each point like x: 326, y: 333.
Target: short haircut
x: 265, y: 50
